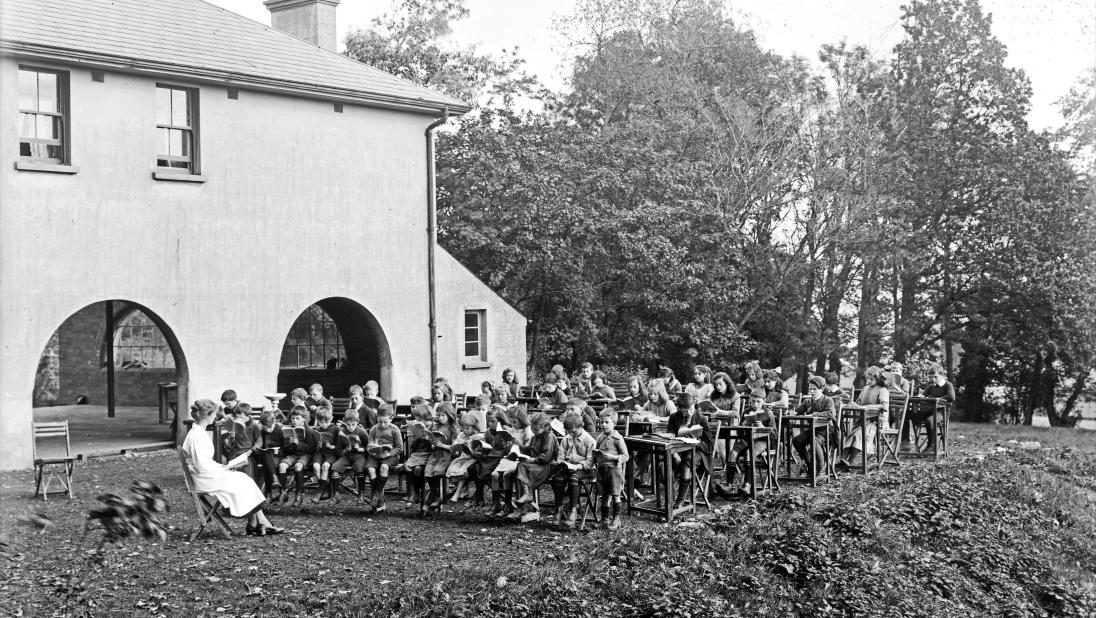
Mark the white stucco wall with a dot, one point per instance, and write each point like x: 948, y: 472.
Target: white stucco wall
x: 300, y: 204
x: 458, y: 291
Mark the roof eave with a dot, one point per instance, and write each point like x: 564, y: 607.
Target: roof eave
x: 152, y: 68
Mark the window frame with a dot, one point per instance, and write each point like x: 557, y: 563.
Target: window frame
x: 64, y: 113
x: 481, y: 359
x: 325, y: 320
x: 194, y: 131
x: 124, y: 325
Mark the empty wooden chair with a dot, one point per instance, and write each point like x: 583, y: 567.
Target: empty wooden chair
x: 206, y: 506
x: 889, y: 438
x: 48, y: 469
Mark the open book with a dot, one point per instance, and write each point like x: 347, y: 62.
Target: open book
x: 557, y: 426
x: 380, y: 451
x: 515, y: 453
x: 695, y: 431
x: 440, y: 437
x: 416, y: 430
x: 238, y: 462
x: 354, y: 442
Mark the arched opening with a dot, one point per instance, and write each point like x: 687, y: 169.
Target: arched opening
x: 102, y: 370
x: 335, y: 342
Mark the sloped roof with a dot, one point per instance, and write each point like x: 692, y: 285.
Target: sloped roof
x: 195, y: 39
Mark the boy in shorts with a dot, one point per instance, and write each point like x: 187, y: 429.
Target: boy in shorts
x: 610, y: 455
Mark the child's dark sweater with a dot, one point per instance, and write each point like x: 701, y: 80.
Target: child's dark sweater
x: 343, y: 444
x: 542, y: 448
x: 304, y: 446
x: 678, y: 420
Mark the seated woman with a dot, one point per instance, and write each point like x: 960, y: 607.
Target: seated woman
x: 236, y: 491
x: 874, y: 397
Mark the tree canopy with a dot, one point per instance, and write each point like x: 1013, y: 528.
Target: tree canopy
x: 692, y: 197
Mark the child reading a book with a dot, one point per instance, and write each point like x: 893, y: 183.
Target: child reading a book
x: 385, y: 447
x: 673, y: 385
x: 756, y: 415
x: 502, y: 440
x: 600, y: 391
x: 420, y: 447
x: 372, y: 396
x: 242, y: 436
x: 228, y: 404
x: 298, y: 447
x: 367, y: 416
x: 536, y: 463
x: 350, y: 445
x: 297, y: 397
x: 326, y: 451
x: 497, y: 441
x: 725, y: 397
x: 315, y: 398
x: 576, y: 466
x: 658, y: 402
x: 820, y: 406
x: 551, y: 394
x: 687, y: 422
x: 610, y: 456
x: 637, y: 395
x: 584, y: 381
x: 268, y: 453
x: 701, y: 386
x: 442, y: 435
x: 755, y: 378
x: 462, y: 446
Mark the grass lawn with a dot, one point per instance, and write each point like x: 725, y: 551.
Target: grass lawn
x: 995, y: 530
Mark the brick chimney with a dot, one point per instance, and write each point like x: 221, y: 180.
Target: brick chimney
x: 310, y: 20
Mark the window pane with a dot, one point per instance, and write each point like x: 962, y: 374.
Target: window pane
x: 163, y: 106
x: 471, y: 334
x: 28, y: 90
x: 180, y: 108
x: 471, y: 318
x: 471, y: 349
x: 47, y: 92
x: 48, y: 127
x: 175, y: 142
x: 26, y: 125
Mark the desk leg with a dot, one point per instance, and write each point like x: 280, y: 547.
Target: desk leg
x: 630, y: 474
x: 693, y: 482
x: 814, y: 459
x: 864, y: 443
x: 668, y: 468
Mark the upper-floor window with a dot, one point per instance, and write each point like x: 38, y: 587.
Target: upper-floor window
x: 42, y: 115
x: 177, y: 123
x: 475, y: 335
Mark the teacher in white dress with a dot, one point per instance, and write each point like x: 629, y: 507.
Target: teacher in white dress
x: 236, y: 491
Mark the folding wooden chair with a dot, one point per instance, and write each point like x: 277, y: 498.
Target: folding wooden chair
x: 889, y: 439
x: 50, y: 468
x: 206, y: 506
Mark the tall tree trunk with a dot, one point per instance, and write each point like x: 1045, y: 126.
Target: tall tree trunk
x: 1034, y: 388
x: 866, y: 329
x: 1066, y: 417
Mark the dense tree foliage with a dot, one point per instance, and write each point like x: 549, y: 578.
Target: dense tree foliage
x: 695, y: 198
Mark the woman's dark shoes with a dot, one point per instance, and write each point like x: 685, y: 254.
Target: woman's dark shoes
x: 251, y: 530
x: 268, y: 530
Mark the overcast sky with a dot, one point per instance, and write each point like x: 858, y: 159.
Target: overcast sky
x: 1053, y: 41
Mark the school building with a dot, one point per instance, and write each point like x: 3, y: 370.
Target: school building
x: 190, y: 196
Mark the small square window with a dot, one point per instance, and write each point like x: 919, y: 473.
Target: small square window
x: 177, y: 125
x: 43, y: 116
